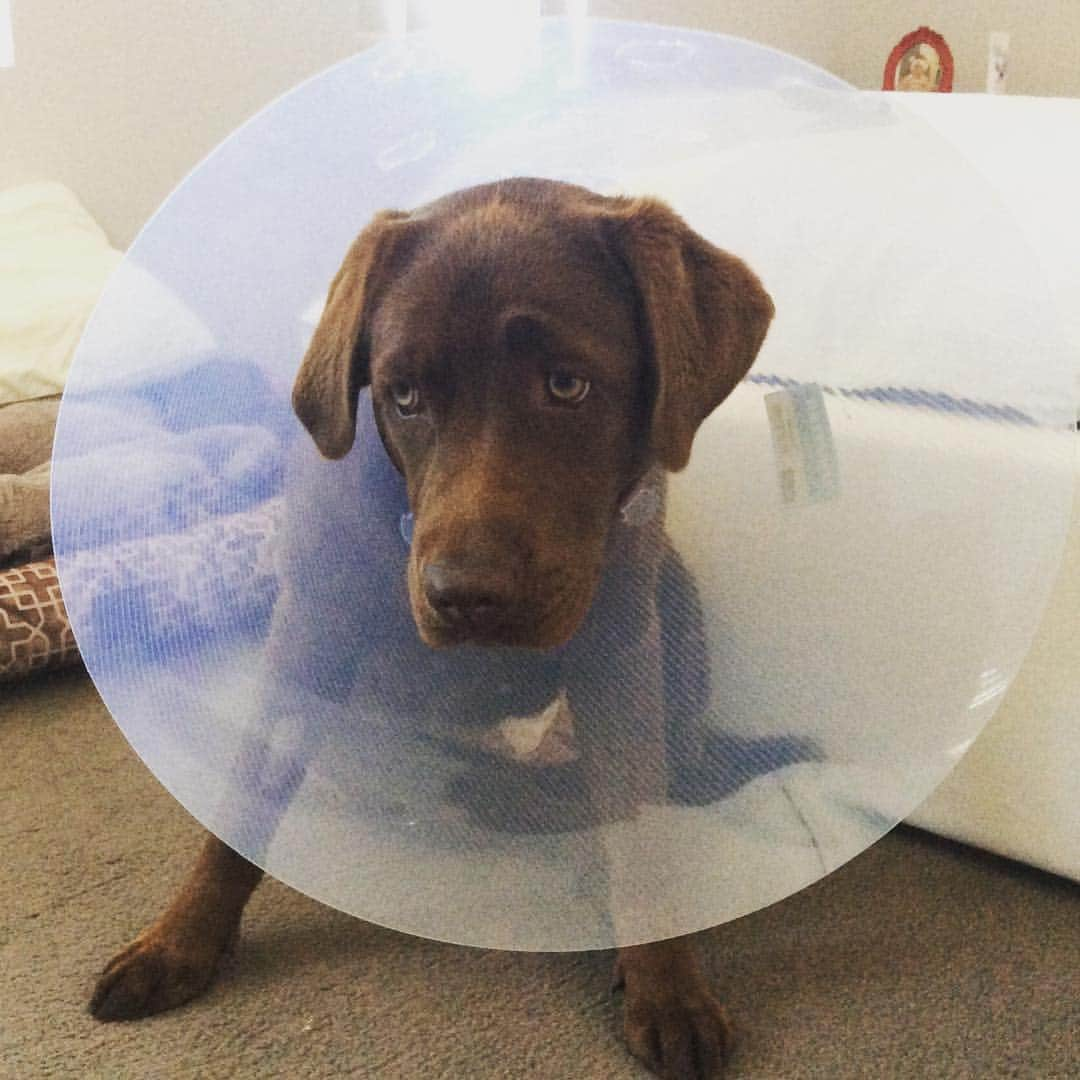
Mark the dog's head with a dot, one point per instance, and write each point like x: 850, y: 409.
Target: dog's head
x: 533, y: 350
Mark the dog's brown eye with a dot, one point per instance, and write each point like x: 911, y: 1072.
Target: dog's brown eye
x: 406, y: 397
x: 567, y: 389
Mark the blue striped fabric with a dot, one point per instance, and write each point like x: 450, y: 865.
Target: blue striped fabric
x: 936, y: 400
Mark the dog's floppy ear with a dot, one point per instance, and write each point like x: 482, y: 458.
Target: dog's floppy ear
x: 705, y: 316
x: 335, y: 366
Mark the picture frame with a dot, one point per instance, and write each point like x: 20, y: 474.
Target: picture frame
x: 920, y: 61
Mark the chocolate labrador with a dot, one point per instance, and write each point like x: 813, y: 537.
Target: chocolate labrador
x: 533, y: 358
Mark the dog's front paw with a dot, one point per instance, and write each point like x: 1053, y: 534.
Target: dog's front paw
x: 682, y: 1034
x: 157, y: 971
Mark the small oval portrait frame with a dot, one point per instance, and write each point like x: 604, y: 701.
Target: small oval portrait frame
x: 920, y: 61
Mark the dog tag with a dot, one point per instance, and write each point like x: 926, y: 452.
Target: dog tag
x: 641, y: 507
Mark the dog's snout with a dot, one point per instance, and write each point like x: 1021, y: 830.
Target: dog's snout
x: 466, y: 595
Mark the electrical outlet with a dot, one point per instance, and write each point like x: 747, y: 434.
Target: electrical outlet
x: 997, y: 64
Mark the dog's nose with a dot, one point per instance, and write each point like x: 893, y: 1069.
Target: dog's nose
x: 465, y: 595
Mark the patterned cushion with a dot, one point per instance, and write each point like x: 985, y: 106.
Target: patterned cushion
x: 35, y: 634
x: 213, y: 579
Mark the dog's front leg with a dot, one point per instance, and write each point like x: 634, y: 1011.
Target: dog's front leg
x: 671, y: 1020
x: 175, y: 958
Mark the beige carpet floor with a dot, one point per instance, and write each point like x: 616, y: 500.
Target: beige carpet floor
x: 918, y: 959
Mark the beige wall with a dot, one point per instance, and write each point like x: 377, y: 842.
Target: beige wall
x: 1044, y: 56
x: 853, y: 38
x: 120, y: 98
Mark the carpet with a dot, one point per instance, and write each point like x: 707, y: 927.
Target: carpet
x: 919, y: 958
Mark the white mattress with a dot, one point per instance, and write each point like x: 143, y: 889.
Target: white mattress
x: 1017, y: 791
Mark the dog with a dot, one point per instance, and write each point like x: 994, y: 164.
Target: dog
x: 520, y: 363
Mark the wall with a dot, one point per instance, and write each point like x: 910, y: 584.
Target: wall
x: 1044, y: 58
x: 120, y: 99
x: 853, y: 38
